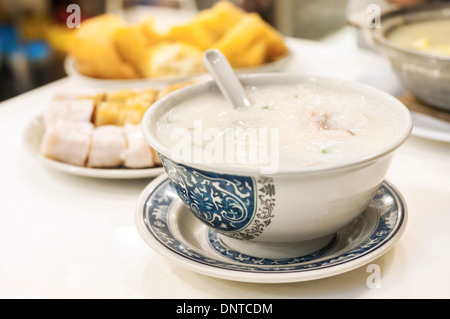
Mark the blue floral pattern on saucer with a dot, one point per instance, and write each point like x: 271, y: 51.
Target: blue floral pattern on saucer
x: 225, y: 251
x: 384, y: 223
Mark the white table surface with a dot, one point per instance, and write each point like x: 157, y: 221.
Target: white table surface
x: 63, y: 236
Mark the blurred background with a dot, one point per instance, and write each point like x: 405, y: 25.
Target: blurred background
x: 34, y: 34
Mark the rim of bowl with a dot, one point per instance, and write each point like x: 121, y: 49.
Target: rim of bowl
x: 150, y: 118
x: 379, y: 34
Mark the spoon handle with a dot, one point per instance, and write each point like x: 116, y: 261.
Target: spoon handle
x: 222, y: 72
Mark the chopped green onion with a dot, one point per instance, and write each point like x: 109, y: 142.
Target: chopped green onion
x: 168, y: 120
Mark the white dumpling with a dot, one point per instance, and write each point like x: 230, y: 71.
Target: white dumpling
x: 69, y: 110
x: 68, y: 142
x: 138, y: 153
x: 107, y: 147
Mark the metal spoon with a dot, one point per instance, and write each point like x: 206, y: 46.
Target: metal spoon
x: 222, y: 72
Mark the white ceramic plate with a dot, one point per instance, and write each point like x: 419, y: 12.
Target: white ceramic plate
x: 430, y: 128
x: 167, y: 226
x: 33, y: 135
x: 70, y: 68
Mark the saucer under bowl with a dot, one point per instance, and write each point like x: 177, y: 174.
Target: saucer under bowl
x: 168, y: 227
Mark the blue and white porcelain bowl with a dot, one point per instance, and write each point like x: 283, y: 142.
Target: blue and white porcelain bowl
x: 285, y: 214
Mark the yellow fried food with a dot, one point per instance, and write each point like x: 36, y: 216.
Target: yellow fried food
x: 131, y: 43
x: 251, y: 42
x: 144, y: 48
x: 105, y: 47
x: 171, y: 59
x: 124, y: 107
x: 140, y: 45
x: 94, y: 50
x: 108, y: 114
x: 208, y: 26
x: 148, y: 27
x: 137, y: 105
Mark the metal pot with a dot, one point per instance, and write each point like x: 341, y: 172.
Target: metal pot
x: 425, y: 75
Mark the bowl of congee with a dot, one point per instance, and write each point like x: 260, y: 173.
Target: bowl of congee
x: 416, y: 40
x: 278, y: 178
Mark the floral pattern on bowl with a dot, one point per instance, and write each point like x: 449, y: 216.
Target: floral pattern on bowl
x: 240, y: 207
